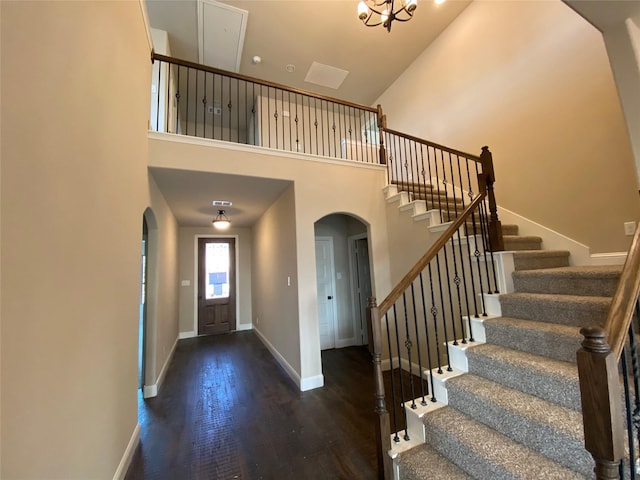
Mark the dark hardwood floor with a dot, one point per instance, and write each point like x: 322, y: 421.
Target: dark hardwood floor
x: 227, y: 410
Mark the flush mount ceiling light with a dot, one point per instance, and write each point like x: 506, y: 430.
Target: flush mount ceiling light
x: 221, y: 222
x: 374, y: 13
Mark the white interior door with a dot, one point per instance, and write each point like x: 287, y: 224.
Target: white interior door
x: 325, y: 280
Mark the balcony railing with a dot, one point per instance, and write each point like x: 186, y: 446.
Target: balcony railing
x: 195, y: 100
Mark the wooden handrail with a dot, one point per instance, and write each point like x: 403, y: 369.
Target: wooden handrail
x: 430, y: 254
x: 266, y: 83
x: 622, y: 307
x: 475, y: 158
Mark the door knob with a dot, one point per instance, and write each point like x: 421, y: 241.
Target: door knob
x: 329, y: 297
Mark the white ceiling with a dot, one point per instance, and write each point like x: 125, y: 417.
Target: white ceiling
x: 189, y: 194
x: 301, y: 32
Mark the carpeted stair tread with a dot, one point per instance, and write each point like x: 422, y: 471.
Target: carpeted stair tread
x: 509, y: 229
x: 552, y: 380
x: 552, y: 430
x: 576, y: 280
x: 522, y: 242
x: 535, y: 259
x: 573, y: 310
x: 553, y: 340
x: 423, y: 462
x: 485, y: 453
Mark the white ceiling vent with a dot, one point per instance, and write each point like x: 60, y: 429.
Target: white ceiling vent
x: 326, y: 75
x: 221, y: 30
x: 221, y: 203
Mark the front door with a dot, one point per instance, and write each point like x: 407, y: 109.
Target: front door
x: 216, y: 285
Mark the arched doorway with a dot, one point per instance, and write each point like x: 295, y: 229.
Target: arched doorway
x: 343, y: 280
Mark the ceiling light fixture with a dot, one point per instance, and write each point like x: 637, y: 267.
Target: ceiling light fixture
x: 374, y: 13
x: 221, y: 222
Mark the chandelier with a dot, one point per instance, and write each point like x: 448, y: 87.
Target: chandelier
x: 374, y: 12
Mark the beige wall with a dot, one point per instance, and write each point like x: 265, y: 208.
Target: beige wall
x: 320, y: 188
x: 187, y: 295
x: 75, y: 104
x: 275, y: 299
x: 532, y: 81
x: 162, y: 286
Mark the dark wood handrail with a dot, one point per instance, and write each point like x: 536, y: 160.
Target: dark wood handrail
x: 475, y: 158
x: 623, y: 304
x: 430, y: 254
x: 266, y: 83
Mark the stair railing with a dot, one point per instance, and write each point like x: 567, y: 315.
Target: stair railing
x: 430, y: 312
x: 201, y: 101
x: 611, y: 424
x: 441, y: 177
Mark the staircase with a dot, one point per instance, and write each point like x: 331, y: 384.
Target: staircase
x: 512, y: 407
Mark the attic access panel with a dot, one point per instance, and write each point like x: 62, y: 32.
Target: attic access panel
x: 221, y: 30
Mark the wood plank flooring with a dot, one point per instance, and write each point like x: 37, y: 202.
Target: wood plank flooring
x: 227, y: 410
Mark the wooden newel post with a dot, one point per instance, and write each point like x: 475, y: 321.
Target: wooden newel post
x: 382, y: 124
x: 383, y: 428
x: 601, y: 402
x: 495, y: 227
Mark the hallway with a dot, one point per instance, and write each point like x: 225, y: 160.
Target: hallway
x: 227, y: 410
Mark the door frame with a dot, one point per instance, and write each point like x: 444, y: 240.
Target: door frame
x: 334, y: 307
x: 196, y: 288
x: 361, y: 336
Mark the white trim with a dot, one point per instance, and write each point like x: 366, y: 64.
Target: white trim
x: 310, y: 383
x: 244, y: 326
x: 236, y: 247
x: 552, y: 240
x: 240, y: 147
x: 123, y: 466
x: 152, y: 390
x: 183, y: 335
x: 147, y: 25
x: 303, y: 384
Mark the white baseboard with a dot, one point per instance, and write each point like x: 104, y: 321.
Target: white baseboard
x: 244, y: 326
x: 121, y: 471
x: 309, y: 383
x: 190, y: 334
x: 304, y: 383
x: 149, y: 391
x: 552, y: 240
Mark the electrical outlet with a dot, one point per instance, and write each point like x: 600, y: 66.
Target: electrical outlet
x: 629, y: 228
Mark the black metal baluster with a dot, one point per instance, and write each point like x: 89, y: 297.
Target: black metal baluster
x: 448, y: 282
x: 444, y: 317
x: 290, y: 132
x: 408, y: 344
x: 434, y: 314
x: 428, y: 342
x: 178, y: 130
x: 396, y: 438
x: 204, y: 108
x: 237, y: 111
x: 415, y: 325
x: 297, y: 120
x: 629, y: 417
x: 275, y: 115
x: 401, y: 380
x: 230, y: 106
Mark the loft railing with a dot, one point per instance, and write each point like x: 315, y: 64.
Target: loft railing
x: 196, y: 100
x: 609, y: 372
x: 430, y: 311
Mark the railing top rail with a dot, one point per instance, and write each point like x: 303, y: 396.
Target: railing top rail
x: 430, y: 254
x: 435, y: 145
x: 204, y: 68
x: 624, y: 300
